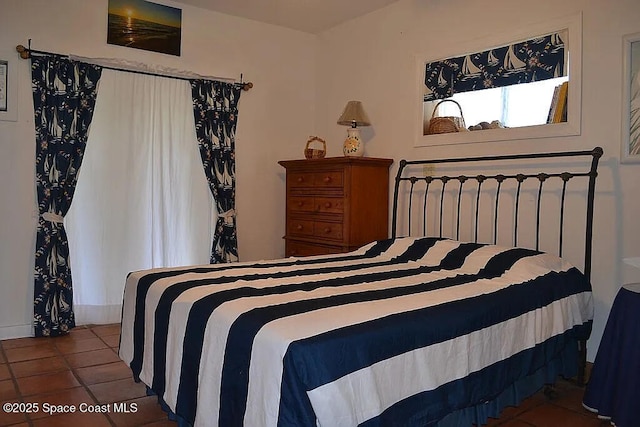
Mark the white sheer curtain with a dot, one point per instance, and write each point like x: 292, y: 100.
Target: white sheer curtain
x: 142, y: 198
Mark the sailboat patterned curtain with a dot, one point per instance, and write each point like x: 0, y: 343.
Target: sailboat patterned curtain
x: 532, y: 60
x: 64, y: 95
x: 215, y: 108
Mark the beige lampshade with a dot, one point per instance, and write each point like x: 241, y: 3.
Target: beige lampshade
x: 354, y: 115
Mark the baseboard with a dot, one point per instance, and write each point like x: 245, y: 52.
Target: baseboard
x: 17, y: 331
x: 97, y: 314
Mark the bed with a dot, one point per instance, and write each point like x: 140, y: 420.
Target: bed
x: 414, y: 330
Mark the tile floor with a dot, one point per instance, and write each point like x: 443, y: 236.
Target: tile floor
x: 83, y: 368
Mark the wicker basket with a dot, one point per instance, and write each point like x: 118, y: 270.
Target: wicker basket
x: 446, y: 124
x: 315, y: 153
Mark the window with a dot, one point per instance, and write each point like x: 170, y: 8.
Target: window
x: 142, y: 199
x: 520, y: 99
x: 513, y: 106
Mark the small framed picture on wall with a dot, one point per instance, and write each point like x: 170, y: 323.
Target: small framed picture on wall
x: 8, y: 87
x: 4, y: 72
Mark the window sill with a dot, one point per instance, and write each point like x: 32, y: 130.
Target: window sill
x: 488, y: 135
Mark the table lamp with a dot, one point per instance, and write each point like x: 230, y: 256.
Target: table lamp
x: 354, y: 116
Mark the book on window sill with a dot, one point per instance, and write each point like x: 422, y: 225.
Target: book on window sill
x: 560, y: 113
x: 553, y: 105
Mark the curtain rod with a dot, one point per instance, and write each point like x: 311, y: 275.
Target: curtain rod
x: 25, y: 53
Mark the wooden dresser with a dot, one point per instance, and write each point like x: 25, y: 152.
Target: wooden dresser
x: 335, y: 204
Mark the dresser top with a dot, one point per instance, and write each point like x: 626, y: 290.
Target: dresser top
x: 333, y: 161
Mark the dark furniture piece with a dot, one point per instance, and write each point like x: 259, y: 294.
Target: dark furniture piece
x: 335, y: 204
x: 612, y: 391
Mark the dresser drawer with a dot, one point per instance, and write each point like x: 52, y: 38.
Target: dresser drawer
x: 300, y: 227
x: 327, y: 230
x: 328, y: 179
x: 329, y: 204
x: 306, y: 204
x: 302, y: 204
x: 300, y: 179
x: 319, y: 229
x: 295, y: 248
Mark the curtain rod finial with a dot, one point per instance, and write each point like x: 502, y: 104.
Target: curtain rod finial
x: 23, y: 51
x: 247, y: 86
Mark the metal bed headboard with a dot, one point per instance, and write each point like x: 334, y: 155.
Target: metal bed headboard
x: 517, y: 178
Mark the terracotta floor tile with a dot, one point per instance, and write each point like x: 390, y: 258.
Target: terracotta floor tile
x: 73, y: 396
x: 104, y: 373
x: 23, y: 342
x: 146, y: 410
x: 47, y: 383
x: 80, y: 333
x: 77, y: 346
x: 7, y: 390
x: 73, y: 336
x: 39, y: 351
x: 106, y: 330
x: 164, y: 423
x: 38, y: 366
x: 118, y: 391
x: 531, y: 402
x: 2, y: 358
x: 91, y: 358
x: 517, y: 423
x: 75, y: 419
x: 551, y: 415
x: 4, y: 372
x: 112, y: 341
x: 571, y: 399
x: 492, y: 422
x: 10, y: 418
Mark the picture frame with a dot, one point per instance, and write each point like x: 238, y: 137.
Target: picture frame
x: 145, y: 25
x: 4, y: 71
x: 630, y: 145
x: 8, y: 88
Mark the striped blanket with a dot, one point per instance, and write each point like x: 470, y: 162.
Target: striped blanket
x: 399, y: 332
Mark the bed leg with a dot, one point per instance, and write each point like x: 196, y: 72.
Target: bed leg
x: 550, y: 391
x: 582, y: 362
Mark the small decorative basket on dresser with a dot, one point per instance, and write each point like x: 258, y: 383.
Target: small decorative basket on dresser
x: 335, y: 204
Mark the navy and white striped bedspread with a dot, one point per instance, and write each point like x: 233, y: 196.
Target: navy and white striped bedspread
x: 399, y: 332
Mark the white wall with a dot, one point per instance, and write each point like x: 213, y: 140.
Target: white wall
x: 372, y: 59
x: 309, y: 79
x: 280, y: 63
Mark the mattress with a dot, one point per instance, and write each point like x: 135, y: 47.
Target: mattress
x: 400, y: 332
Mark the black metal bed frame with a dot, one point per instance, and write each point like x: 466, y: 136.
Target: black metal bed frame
x: 500, y: 179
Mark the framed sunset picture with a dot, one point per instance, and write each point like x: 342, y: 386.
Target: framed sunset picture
x: 145, y: 25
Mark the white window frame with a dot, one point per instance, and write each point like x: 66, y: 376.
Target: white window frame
x: 571, y: 127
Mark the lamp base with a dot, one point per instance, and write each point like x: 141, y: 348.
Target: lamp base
x: 353, y: 145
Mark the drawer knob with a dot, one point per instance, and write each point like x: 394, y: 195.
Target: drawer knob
x: 327, y: 179
x: 327, y: 205
x: 300, y: 204
x: 327, y: 230
x: 299, y: 227
x: 300, y: 179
